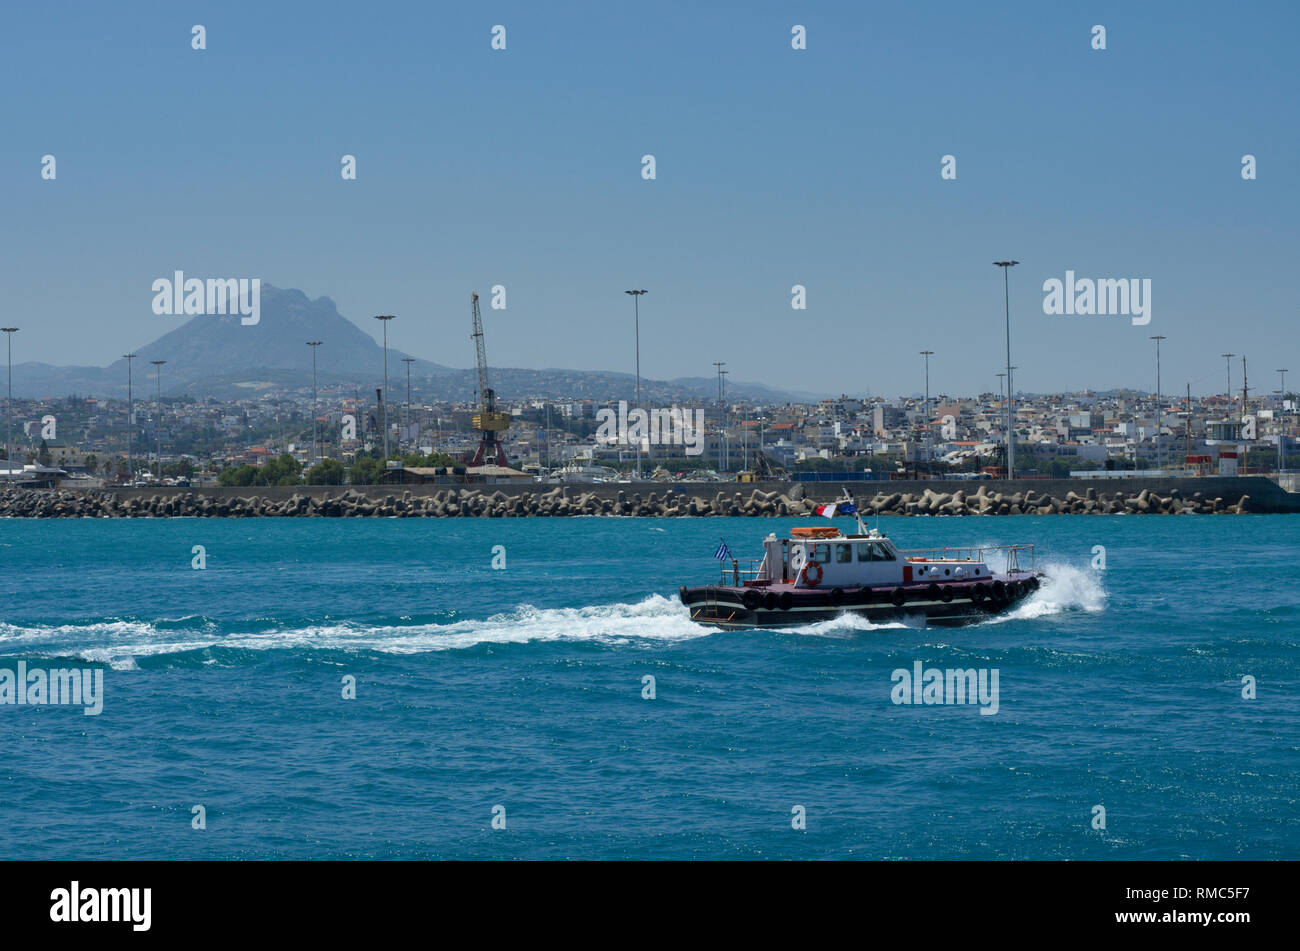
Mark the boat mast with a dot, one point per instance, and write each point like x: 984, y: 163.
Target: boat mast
x: 857, y: 515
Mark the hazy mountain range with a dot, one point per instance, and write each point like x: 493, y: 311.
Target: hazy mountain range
x: 219, y: 357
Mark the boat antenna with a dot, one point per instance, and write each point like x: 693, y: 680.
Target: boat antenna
x: 857, y: 516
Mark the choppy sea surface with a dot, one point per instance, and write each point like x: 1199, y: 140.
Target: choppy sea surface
x: 520, y: 693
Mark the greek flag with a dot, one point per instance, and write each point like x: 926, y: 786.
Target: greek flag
x: 723, y: 552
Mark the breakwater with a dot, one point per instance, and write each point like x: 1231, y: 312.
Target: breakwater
x: 772, y: 499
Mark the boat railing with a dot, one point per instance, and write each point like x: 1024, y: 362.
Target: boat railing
x: 740, y: 571
x: 1017, y: 557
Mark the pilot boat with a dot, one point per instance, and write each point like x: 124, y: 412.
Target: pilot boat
x: 817, y: 573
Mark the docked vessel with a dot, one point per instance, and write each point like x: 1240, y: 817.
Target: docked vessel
x: 818, y: 573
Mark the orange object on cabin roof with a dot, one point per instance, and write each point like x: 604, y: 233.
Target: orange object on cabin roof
x: 815, y: 532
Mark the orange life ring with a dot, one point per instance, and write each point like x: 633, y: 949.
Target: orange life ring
x: 808, y: 569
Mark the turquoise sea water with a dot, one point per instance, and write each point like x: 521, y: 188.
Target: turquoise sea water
x: 522, y: 688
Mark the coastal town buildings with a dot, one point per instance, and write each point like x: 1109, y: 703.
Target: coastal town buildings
x: 1056, y: 434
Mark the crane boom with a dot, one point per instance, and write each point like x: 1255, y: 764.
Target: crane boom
x: 484, y: 391
x: 488, y: 421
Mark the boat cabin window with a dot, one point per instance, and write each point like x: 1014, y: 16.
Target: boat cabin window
x: 843, y: 553
x: 822, y: 554
x: 874, y: 551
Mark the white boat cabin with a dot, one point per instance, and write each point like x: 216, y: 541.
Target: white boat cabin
x: 825, y: 558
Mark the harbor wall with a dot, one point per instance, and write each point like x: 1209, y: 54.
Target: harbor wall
x: 1265, y: 494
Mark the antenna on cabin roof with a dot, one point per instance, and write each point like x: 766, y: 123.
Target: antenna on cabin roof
x: 857, y: 516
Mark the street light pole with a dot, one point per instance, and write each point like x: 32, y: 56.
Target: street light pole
x: 383, y: 404
x: 928, y: 451
x: 1001, y: 398
x: 315, y: 406
x: 130, y: 417
x: 636, y: 325
x: 1159, y: 460
x: 1281, y: 419
x: 408, y: 361
x: 744, y: 437
x: 726, y: 463
x: 719, y: 364
x: 1011, y: 434
x: 9, y: 402
x: 158, y: 422
x: 1228, y: 360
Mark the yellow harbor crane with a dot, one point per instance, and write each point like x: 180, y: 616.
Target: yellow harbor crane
x: 488, y: 421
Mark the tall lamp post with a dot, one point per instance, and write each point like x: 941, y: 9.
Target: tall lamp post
x: 722, y: 422
x: 1227, y: 357
x: 158, y: 373
x: 1159, y: 461
x: 1017, y: 367
x: 408, y: 361
x: 130, y: 416
x: 383, y: 403
x: 9, y: 402
x: 726, y: 435
x: 1011, y: 434
x: 744, y: 438
x: 1281, y: 417
x: 1002, y: 379
x: 636, y: 328
x: 315, y: 406
x: 928, y: 452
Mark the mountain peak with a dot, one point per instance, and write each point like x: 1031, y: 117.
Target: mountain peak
x: 199, y: 347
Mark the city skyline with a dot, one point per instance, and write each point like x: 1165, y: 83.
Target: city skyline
x: 39, y: 381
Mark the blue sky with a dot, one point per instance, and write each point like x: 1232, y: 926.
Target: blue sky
x: 775, y: 167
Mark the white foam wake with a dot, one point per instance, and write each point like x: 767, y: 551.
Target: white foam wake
x: 118, y: 643
x: 846, y: 625
x: 1064, y: 588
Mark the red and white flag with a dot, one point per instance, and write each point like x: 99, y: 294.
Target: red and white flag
x: 827, y: 511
